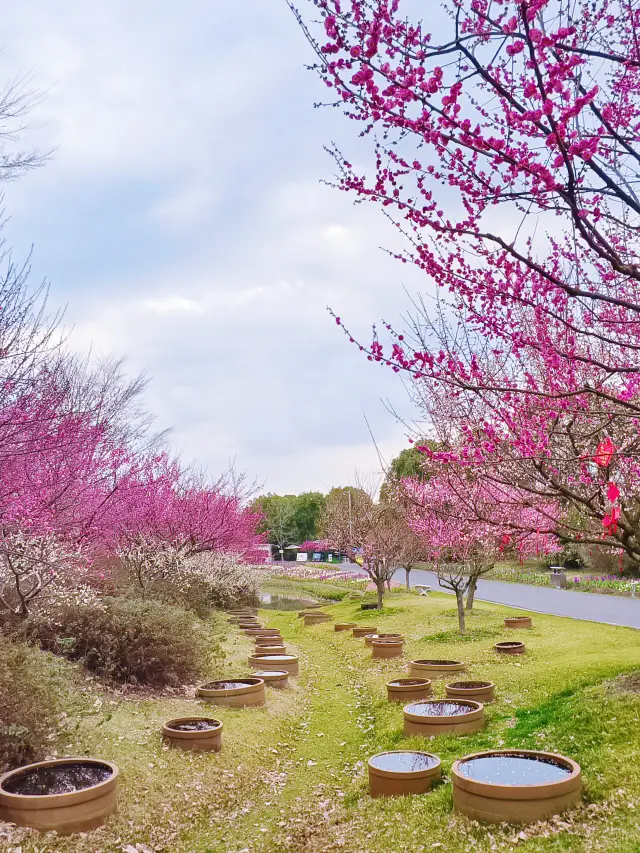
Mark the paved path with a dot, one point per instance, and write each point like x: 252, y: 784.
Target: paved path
x: 590, y: 606
x: 610, y: 609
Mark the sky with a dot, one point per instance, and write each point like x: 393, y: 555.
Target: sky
x: 183, y: 222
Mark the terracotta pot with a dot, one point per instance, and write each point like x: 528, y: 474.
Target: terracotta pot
x: 273, y: 649
x: 385, y: 781
x: 510, y: 648
x: 386, y: 649
x: 274, y: 678
x: 479, y: 691
x: 269, y: 640
x: 363, y: 631
x: 75, y: 811
x: 344, y: 626
x: 262, y: 632
x: 208, y: 740
x: 310, y: 608
x: 286, y: 662
x: 439, y: 722
x: 234, y: 692
x: 408, y: 689
x: 316, y: 618
x: 553, y: 785
x: 435, y: 668
x: 518, y: 622
x: 369, y: 638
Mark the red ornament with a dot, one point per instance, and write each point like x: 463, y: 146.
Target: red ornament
x: 613, y: 493
x: 610, y: 521
x: 604, y: 453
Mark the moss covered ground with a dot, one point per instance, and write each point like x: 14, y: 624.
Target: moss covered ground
x: 292, y: 776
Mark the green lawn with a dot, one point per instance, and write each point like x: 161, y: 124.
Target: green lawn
x: 291, y: 777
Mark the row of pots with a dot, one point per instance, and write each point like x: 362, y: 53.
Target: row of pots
x: 270, y: 654
x: 77, y: 794
x: 274, y: 667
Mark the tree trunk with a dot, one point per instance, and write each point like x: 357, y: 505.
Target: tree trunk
x: 380, y: 588
x: 407, y: 584
x: 388, y: 584
x: 461, y: 617
x: 471, y: 593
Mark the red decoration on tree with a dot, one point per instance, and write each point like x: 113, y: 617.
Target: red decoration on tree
x: 613, y: 493
x: 605, y: 452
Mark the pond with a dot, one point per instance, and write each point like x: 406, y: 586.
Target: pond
x: 403, y: 762
x: 280, y: 601
x: 514, y: 769
x: 57, y: 779
x: 437, y: 708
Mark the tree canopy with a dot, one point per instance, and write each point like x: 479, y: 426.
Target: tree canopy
x: 290, y: 519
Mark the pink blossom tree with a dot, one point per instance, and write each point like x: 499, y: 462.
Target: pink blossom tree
x: 168, y: 518
x: 506, y: 150
x: 467, y: 525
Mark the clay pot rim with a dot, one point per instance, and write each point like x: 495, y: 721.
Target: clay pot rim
x: 388, y: 642
x: 517, y: 792
x: 288, y: 657
x: 511, y: 618
x: 374, y: 635
x: 478, y: 685
x: 69, y: 798
x: 346, y: 625
x: 509, y: 644
x: 209, y: 692
x: 261, y: 651
x: 404, y: 774
x: 436, y: 664
x: 416, y: 684
x: 168, y: 731
x: 366, y: 628
x: 273, y: 674
x: 476, y: 709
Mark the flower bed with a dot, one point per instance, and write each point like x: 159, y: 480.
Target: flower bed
x: 301, y: 572
x: 603, y: 584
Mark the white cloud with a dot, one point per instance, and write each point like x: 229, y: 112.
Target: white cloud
x: 172, y: 305
x: 191, y: 233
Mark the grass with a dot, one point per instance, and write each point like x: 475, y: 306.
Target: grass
x: 291, y: 776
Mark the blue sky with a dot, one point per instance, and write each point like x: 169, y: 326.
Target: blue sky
x: 183, y: 223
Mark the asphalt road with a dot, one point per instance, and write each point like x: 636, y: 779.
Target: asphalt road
x: 610, y: 609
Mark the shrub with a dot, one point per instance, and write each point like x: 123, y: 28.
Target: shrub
x: 28, y: 704
x: 211, y: 580
x: 134, y: 640
x: 202, y: 583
